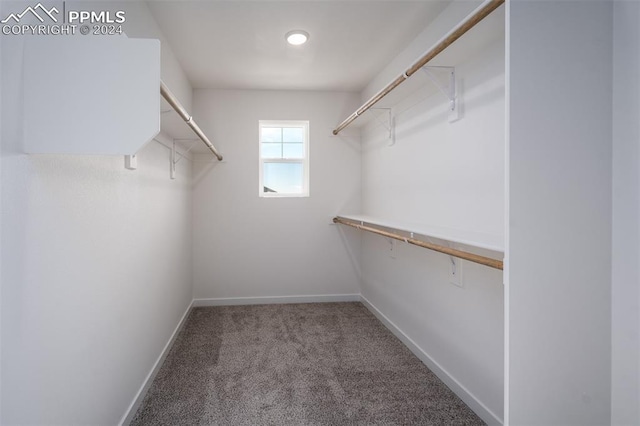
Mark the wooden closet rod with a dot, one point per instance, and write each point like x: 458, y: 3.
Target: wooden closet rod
x: 469, y: 22
x: 482, y: 260
x: 177, y: 106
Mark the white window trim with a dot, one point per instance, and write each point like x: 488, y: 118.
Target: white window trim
x: 304, y: 161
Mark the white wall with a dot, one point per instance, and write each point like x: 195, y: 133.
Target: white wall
x: 1, y: 273
x: 247, y: 246
x: 96, y: 272
x: 559, y: 264
x: 450, y: 175
x: 625, y: 380
x: 450, y: 16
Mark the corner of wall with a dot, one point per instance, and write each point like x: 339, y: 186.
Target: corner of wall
x: 143, y: 24
x: 140, y: 23
x: 484, y: 412
x: 130, y: 413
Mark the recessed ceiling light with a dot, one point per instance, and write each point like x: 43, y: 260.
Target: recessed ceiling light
x: 297, y: 37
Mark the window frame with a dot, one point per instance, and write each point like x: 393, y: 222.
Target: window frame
x: 303, y: 161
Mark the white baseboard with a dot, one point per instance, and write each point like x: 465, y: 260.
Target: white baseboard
x: 268, y: 300
x: 463, y: 393
x: 135, y: 404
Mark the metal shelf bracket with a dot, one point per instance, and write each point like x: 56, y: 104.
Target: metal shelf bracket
x: 450, y: 91
x: 177, y: 156
x: 172, y: 162
x: 180, y: 156
x: 130, y: 162
x: 389, y: 125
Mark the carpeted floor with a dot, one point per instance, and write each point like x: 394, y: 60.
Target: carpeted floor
x: 303, y: 364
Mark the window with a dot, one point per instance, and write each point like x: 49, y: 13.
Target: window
x: 284, y: 159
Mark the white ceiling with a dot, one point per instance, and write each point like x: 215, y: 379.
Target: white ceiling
x: 241, y: 45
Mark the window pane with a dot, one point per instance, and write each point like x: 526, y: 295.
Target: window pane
x: 271, y: 134
x: 284, y: 178
x: 293, y: 150
x: 271, y: 150
x: 292, y: 134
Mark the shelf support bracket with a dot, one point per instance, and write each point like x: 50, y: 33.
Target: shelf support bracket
x: 389, y: 125
x: 177, y: 156
x: 449, y: 91
x: 180, y: 156
x: 172, y: 170
x: 130, y: 162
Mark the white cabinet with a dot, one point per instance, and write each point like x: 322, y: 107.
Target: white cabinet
x: 90, y: 95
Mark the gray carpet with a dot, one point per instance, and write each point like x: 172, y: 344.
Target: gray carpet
x: 303, y: 364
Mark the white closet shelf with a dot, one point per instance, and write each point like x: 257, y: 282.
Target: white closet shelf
x: 109, y: 107
x: 83, y: 113
x: 468, y: 238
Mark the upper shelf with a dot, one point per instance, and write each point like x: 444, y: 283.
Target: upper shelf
x: 76, y: 90
x: 485, y: 33
x: 469, y: 238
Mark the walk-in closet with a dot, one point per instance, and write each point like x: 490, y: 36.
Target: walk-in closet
x: 320, y: 212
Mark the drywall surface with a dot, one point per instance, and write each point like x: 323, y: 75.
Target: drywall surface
x: 450, y: 16
x: 247, y: 246
x: 625, y: 338
x: 449, y: 175
x: 1, y: 274
x: 560, y: 165
x: 96, y: 277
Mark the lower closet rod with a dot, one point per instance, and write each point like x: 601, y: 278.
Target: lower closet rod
x: 482, y: 260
